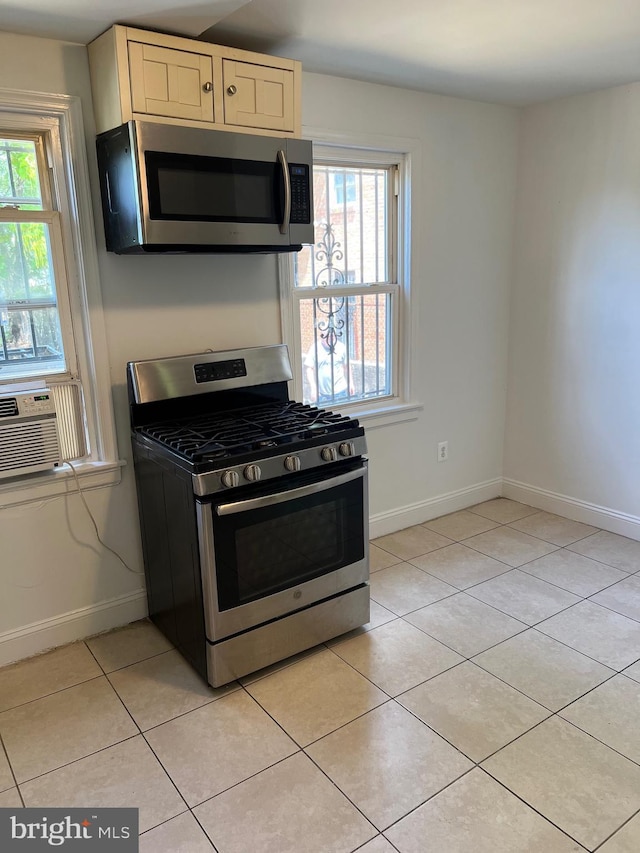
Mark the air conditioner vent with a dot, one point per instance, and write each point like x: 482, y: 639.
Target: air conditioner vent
x: 8, y: 407
x: 28, y: 433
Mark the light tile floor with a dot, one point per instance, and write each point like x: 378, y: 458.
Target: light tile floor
x: 492, y: 705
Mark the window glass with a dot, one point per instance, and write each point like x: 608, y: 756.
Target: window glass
x: 19, y: 179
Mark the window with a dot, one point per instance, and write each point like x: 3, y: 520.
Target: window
x: 344, y: 187
x: 48, y: 278
x: 36, y: 340
x: 30, y: 321
x: 346, y: 295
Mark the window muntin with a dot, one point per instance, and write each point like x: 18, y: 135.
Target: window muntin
x: 345, y: 286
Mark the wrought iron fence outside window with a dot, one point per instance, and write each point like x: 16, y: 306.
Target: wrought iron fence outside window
x: 346, y: 285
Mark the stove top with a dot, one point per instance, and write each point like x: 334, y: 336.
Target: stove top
x: 226, y: 419
x: 254, y: 430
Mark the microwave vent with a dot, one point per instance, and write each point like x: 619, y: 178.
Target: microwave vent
x: 28, y: 433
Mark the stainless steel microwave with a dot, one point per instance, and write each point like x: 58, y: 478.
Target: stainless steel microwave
x: 181, y: 189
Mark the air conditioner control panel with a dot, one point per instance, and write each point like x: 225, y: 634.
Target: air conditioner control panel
x: 36, y: 403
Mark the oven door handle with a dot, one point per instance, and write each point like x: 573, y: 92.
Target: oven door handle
x: 289, y: 495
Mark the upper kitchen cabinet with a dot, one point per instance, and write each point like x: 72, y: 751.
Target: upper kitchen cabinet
x: 170, y: 83
x: 136, y: 74
x: 258, y: 95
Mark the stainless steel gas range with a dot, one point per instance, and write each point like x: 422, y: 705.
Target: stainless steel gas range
x: 253, y: 509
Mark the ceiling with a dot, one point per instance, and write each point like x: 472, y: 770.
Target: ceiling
x: 507, y: 51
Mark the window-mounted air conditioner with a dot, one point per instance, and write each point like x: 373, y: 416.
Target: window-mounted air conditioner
x: 28, y: 433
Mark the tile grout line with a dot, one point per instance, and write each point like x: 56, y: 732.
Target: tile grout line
x: 551, y: 713
x: 530, y: 806
x: 392, y: 698
x: 508, y: 525
x: 101, y: 674
x: 525, y: 628
x: 611, y: 609
x: 563, y: 588
x: 609, y: 837
x: 3, y: 751
x: 379, y: 835
x: 435, y: 794
x: 181, y: 713
x: 470, y: 660
x: 76, y: 760
x: 339, y: 789
x: 537, y: 701
x: 280, y: 760
x: 342, y: 725
x: 197, y: 820
x: 360, y: 716
x: 523, y: 734
x: 135, y: 662
x: 432, y: 796
x: 53, y: 693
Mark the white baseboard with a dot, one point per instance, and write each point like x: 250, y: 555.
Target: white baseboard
x: 577, y: 510
x: 397, y: 519
x: 76, y: 625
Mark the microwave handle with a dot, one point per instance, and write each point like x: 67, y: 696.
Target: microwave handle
x: 290, y: 495
x: 282, y: 159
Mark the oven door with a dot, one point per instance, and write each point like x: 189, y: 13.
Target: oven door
x: 282, y: 548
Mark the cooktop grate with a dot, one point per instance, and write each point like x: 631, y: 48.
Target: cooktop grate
x: 227, y: 434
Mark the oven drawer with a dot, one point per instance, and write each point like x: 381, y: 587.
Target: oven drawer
x: 282, y: 549
x: 266, y: 644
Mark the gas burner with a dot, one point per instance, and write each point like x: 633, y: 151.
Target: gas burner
x: 253, y: 430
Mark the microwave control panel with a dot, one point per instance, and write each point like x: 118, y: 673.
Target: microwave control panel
x: 300, y: 194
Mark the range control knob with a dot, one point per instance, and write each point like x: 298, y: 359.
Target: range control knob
x: 230, y: 479
x: 292, y: 463
x: 346, y: 448
x: 329, y: 454
x: 252, y: 473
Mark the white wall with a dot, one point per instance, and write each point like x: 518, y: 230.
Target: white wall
x: 156, y: 306
x: 463, y: 221
x: 573, y: 420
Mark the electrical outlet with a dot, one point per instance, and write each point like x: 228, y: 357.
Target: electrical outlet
x: 443, y: 451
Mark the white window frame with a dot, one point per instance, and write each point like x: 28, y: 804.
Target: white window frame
x: 380, y: 150
x: 61, y: 117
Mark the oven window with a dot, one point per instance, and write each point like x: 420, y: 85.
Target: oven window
x: 213, y: 189
x: 269, y: 549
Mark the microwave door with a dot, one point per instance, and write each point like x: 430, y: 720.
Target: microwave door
x: 232, y: 195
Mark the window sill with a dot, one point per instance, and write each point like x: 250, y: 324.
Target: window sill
x: 48, y: 484
x: 384, y: 415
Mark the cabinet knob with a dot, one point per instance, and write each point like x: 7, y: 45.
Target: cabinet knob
x: 231, y: 90
x: 207, y: 87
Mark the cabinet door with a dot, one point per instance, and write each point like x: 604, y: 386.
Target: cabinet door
x: 173, y: 83
x: 258, y: 96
